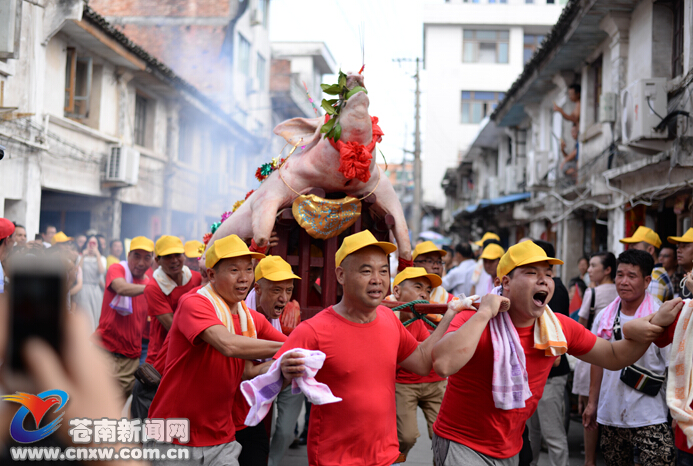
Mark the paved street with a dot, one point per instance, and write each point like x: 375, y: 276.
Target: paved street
x: 420, y: 455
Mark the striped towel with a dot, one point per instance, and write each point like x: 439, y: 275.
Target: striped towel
x: 649, y: 305
x: 510, y: 383
x: 224, y: 313
x: 680, y: 386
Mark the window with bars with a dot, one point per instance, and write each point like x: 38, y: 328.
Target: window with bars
x: 482, y: 46
x: 78, y: 71
x: 140, y: 120
x: 476, y: 105
x: 677, y: 46
x: 243, y: 55
x: 531, y: 44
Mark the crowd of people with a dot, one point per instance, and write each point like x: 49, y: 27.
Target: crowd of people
x: 181, y: 325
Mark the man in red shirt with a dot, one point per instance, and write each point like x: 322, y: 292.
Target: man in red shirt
x: 171, y: 281
x: 124, y: 313
x: 412, y: 390
x: 212, y: 333
x: 470, y: 429
x: 363, y: 343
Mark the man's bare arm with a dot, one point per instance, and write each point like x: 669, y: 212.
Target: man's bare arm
x: 237, y: 346
x: 252, y: 370
x: 589, y: 416
x: 123, y: 288
x: 166, y: 320
x: 454, y: 350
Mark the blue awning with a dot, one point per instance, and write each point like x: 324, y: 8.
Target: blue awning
x: 495, y: 201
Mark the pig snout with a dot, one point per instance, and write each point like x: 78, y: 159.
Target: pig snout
x: 354, y: 80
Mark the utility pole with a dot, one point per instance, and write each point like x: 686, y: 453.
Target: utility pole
x: 415, y: 223
x: 416, y: 208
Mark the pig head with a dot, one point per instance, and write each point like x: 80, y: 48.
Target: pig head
x: 315, y: 164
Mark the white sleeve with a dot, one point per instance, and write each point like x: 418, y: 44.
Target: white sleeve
x: 586, y: 302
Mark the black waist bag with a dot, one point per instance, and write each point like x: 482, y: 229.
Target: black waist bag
x: 147, y: 375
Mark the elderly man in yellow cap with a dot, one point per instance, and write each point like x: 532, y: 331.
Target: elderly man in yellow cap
x: 274, y: 285
x: 413, y: 390
x: 644, y: 239
x: 363, y: 343
x: 213, y: 332
x: 480, y: 278
x: 60, y: 239
x: 124, y: 312
x: 193, y: 252
x: 498, y: 359
x: 490, y: 257
x: 430, y: 257
x: 684, y: 256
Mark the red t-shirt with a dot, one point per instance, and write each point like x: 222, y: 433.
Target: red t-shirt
x: 468, y: 414
x: 360, y: 365
x: 199, y: 383
x: 158, y: 304
x: 420, y: 332
x: 665, y: 339
x: 117, y: 333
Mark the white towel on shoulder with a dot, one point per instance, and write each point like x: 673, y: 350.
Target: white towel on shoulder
x: 166, y: 283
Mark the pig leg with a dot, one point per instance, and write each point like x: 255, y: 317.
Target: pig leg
x: 387, y: 200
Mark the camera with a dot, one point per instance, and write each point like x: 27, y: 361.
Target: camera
x: 2, y: 152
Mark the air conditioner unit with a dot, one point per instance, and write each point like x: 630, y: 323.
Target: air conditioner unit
x: 122, y: 166
x: 643, y: 105
x: 256, y: 17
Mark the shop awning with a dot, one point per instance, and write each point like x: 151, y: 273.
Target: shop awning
x: 491, y: 202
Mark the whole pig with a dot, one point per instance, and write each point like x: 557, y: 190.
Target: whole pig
x: 317, y: 166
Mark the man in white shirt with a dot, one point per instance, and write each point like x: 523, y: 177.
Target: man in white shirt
x: 274, y: 285
x: 458, y: 280
x: 632, y: 414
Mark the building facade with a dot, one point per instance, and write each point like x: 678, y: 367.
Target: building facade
x: 101, y: 135
x: 634, y: 63
x: 473, y: 51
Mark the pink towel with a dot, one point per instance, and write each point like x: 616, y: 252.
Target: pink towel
x: 261, y: 391
x: 606, y: 325
x: 123, y: 304
x: 510, y: 383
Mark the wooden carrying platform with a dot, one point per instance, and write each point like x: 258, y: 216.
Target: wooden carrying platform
x: 313, y: 259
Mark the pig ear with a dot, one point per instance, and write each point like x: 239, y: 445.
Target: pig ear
x: 296, y: 129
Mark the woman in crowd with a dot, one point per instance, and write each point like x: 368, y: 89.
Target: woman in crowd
x: 601, y: 271
x: 93, y: 266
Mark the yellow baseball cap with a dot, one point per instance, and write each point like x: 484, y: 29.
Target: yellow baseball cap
x: 225, y: 248
x: 487, y: 235
x: 492, y: 252
x: 643, y: 234
x: 686, y: 238
x: 416, y: 272
x: 274, y: 269
x: 194, y: 249
x: 426, y: 247
x: 169, y: 245
x: 361, y: 240
x: 60, y: 237
x: 524, y: 253
x: 143, y: 243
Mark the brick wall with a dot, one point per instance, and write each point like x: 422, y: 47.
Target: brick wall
x: 176, y: 8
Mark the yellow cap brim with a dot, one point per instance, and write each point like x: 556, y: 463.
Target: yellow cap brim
x: 196, y: 255
x: 280, y: 275
x: 537, y: 259
x: 253, y: 255
x: 435, y: 280
x: 679, y: 239
x: 388, y: 248
x: 479, y: 243
x: 171, y: 250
